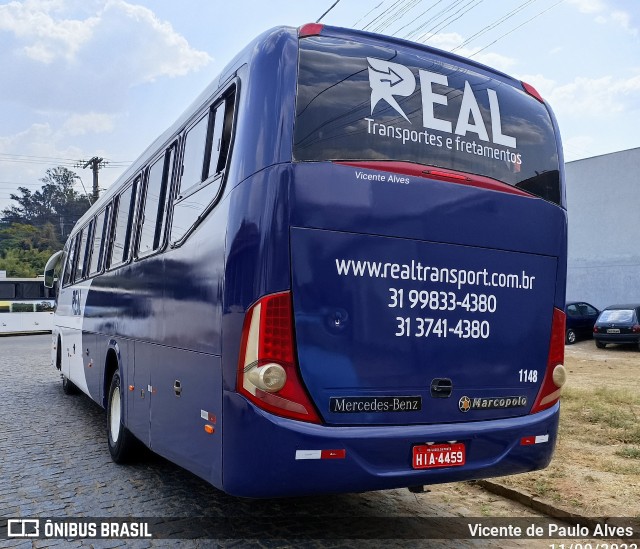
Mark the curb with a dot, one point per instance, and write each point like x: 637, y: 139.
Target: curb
x: 538, y: 504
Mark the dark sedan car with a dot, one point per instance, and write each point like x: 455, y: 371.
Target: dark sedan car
x: 581, y: 317
x: 618, y: 324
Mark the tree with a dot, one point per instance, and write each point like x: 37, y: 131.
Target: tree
x: 24, y: 263
x: 19, y: 236
x: 24, y: 249
x: 56, y: 203
x: 36, y: 228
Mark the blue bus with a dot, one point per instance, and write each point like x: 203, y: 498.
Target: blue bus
x: 342, y: 269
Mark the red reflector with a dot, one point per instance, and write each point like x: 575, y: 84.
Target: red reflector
x: 333, y: 454
x: 449, y: 175
x: 310, y: 29
x: 636, y: 328
x: 532, y: 91
x: 549, y: 392
x: 527, y: 441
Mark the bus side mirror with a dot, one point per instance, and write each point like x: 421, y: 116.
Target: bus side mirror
x: 49, y: 279
x: 50, y: 268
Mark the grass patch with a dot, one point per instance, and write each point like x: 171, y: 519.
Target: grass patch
x: 629, y: 452
x: 542, y: 487
x: 625, y: 468
x: 603, y: 415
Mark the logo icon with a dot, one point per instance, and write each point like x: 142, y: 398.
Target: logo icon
x: 464, y: 404
x: 387, y: 80
x: 491, y: 403
x: 23, y: 528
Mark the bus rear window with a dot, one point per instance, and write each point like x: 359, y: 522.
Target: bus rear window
x: 360, y: 101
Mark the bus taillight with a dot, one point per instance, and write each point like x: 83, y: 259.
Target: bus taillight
x: 310, y: 29
x: 555, y: 375
x: 267, y: 370
x: 532, y: 91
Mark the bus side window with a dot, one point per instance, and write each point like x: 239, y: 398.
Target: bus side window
x: 225, y: 138
x: 193, y: 201
x: 100, y: 230
x: 193, y: 156
x: 30, y: 290
x: 82, y: 253
x: 7, y: 290
x: 215, y: 143
x: 153, y: 219
x: 70, y: 264
x: 123, y: 223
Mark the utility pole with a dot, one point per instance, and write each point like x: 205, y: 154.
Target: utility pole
x: 96, y: 163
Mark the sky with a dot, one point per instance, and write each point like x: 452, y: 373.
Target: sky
x: 86, y: 78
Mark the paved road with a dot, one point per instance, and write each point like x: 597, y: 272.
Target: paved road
x: 54, y: 462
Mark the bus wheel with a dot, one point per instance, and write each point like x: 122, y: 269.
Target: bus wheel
x: 121, y: 441
x: 68, y: 388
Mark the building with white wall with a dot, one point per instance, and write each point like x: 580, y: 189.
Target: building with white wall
x: 603, y: 204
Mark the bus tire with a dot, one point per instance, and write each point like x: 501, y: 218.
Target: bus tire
x: 121, y: 441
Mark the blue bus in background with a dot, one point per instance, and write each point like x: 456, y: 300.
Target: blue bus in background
x: 342, y: 269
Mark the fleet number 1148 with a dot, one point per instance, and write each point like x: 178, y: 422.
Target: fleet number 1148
x: 528, y: 376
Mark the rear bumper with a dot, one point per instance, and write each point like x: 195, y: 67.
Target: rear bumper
x: 260, y: 452
x: 617, y: 338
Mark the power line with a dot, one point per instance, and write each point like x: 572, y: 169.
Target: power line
x: 376, y: 19
x: 325, y: 13
x: 402, y: 9
x: 433, y: 19
x: 31, y: 159
x: 495, y: 24
x: 8, y: 186
x: 15, y: 184
x: 64, y: 164
x: 367, y: 14
x: 446, y: 16
x: 419, y: 16
x: 27, y: 156
x: 95, y: 191
x: 516, y: 28
x: 441, y: 26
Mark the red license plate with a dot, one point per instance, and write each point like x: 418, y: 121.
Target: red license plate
x: 430, y: 456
